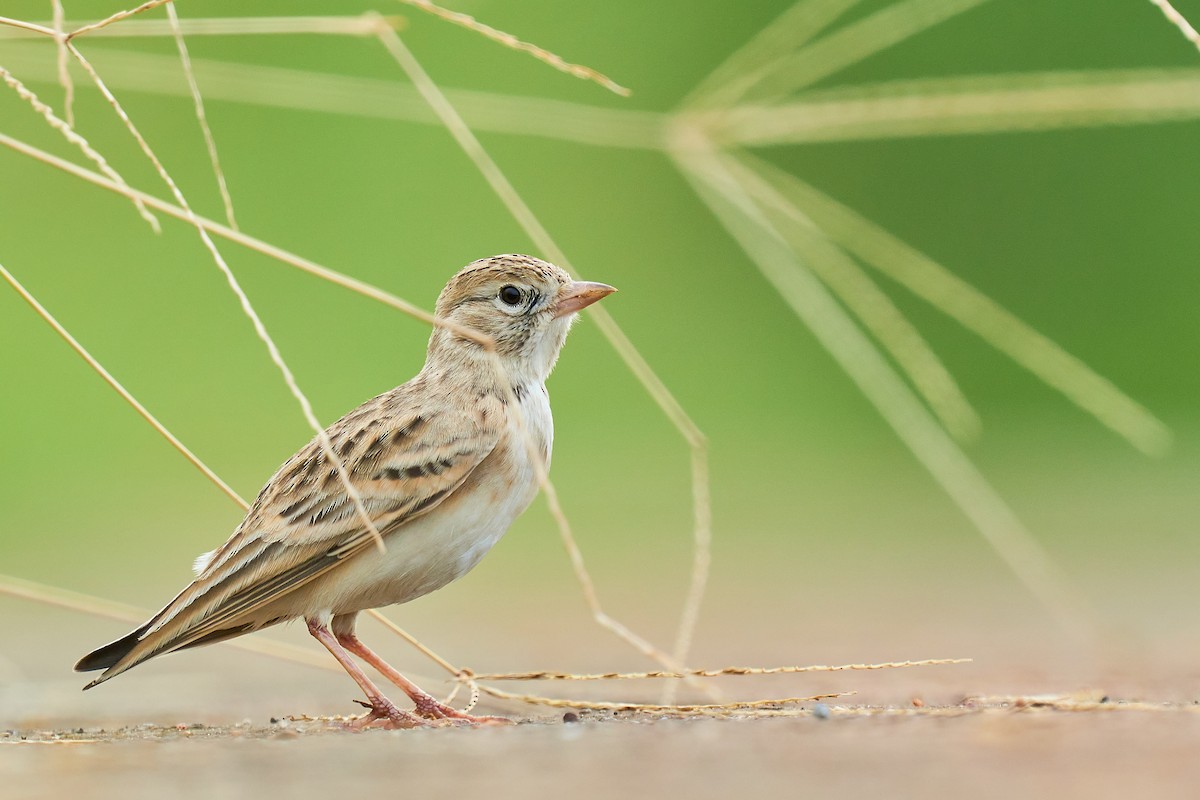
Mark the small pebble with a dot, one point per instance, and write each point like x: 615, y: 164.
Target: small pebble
x: 821, y: 711
x: 918, y: 702
x: 570, y: 716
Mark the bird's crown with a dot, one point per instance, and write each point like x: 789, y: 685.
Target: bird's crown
x: 482, y: 279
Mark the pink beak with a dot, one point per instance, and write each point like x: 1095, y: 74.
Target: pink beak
x: 578, y: 295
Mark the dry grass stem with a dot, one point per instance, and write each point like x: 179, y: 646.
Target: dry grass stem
x: 895, y: 109
x: 416, y: 643
x: 854, y: 43
x: 243, y: 300
x: 689, y: 618
x: 932, y: 282
x: 468, y: 677
x: 118, y: 388
x: 794, y: 28
x: 991, y: 104
x: 62, y: 63
x: 541, y: 237
x: 360, y: 25
x: 371, y: 98
x: 69, y: 133
x: 1178, y: 21
x: 120, y: 15
x: 545, y: 675
x: 705, y: 169
x: 249, y: 242
x: 510, y: 41
x: 202, y: 118
x: 871, y: 305
x: 32, y: 27
x: 690, y: 710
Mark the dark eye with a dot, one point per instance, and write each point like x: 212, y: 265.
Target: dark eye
x: 510, y: 295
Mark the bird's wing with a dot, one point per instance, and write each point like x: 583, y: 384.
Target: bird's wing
x: 403, y: 457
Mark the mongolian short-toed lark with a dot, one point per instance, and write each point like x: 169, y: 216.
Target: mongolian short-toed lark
x: 443, y: 464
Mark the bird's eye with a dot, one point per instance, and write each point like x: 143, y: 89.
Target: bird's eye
x: 510, y: 295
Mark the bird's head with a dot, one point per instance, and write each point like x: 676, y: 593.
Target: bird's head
x: 524, y: 304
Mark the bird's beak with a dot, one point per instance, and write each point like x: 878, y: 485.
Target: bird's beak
x: 579, y: 294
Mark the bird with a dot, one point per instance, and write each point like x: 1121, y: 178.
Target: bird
x: 442, y: 464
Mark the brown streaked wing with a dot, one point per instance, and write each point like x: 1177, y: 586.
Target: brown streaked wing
x: 404, y: 459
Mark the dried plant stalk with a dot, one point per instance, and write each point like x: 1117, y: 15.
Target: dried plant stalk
x: 74, y: 138
x: 250, y: 242
x: 373, y: 98
x: 510, y: 41
x: 117, y: 17
x: 31, y: 27
x: 872, y: 306
x: 331, y: 25
x: 794, y: 28
x: 63, y: 60
x: 705, y: 710
x: 201, y: 117
x: 976, y: 312
x: 991, y: 104
x: 705, y: 168
x: 118, y: 388
x: 544, y: 675
x: 1178, y: 21
x: 853, y: 43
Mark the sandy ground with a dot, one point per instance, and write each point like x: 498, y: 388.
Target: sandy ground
x: 990, y: 751
x: 215, y: 724
x: 1044, y: 716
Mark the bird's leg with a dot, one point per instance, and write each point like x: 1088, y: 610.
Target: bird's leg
x: 427, y: 705
x: 381, y: 708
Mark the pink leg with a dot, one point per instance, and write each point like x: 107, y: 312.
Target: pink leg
x: 381, y: 708
x: 427, y: 705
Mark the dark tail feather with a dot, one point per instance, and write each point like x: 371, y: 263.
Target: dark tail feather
x: 111, y: 653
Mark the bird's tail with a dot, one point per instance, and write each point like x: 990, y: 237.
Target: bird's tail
x: 109, y: 655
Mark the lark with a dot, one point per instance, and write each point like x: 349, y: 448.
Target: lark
x: 444, y: 464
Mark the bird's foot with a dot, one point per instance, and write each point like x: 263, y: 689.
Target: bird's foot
x: 429, y: 708
x: 383, y: 713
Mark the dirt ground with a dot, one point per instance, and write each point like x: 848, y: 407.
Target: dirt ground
x: 881, y: 742
x: 1033, y: 715
x: 996, y: 750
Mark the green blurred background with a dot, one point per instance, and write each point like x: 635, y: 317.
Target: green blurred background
x: 828, y: 535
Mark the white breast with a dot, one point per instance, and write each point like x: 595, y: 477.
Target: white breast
x: 444, y: 545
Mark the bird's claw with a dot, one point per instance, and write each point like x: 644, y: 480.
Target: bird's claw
x: 384, y: 714
x: 428, y: 714
x: 430, y: 709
